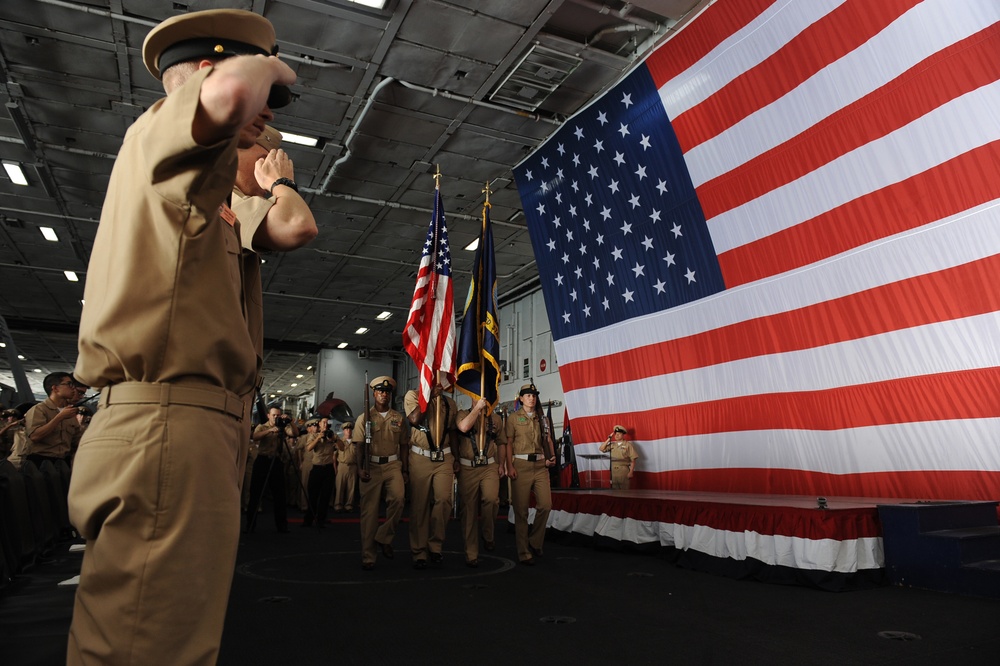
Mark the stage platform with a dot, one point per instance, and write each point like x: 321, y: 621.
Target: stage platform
x: 774, y: 538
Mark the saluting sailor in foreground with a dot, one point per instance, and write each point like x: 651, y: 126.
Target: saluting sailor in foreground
x: 167, y: 335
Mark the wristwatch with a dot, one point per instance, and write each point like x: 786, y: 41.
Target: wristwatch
x: 287, y: 182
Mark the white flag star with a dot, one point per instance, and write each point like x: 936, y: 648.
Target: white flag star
x: 586, y: 225
x: 557, y: 221
x: 545, y: 163
x: 551, y: 244
x: 626, y: 228
x: 676, y: 229
x: 627, y: 99
x: 638, y: 270
x: 565, y: 317
x: 572, y: 211
x: 619, y: 158
x: 613, y: 187
x: 569, y: 235
x: 628, y: 295
x: 690, y: 276
x: 572, y: 294
x: 578, y: 132
x: 655, y: 216
x: 641, y: 172
x: 645, y: 142
x: 589, y: 199
x: 527, y: 175
x: 559, y: 279
x: 648, y: 242
x: 600, y: 239
x: 583, y: 249
x: 611, y: 279
x: 606, y: 213
x: 592, y: 287
x: 599, y: 146
x: 565, y: 258
x: 561, y: 149
x: 623, y: 130
x: 660, y: 286
x: 575, y: 186
x: 576, y: 160
x: 634, y: 200
x: 597, y: 263
x: 607, y: 306
x: 578, y: 272
x: 541, y: 209
x: 662, y: 187
x: 602, y: 118
x: 669, y: 259
x: 592, y: 172
x: 586, y: 310
x: 616, y: 253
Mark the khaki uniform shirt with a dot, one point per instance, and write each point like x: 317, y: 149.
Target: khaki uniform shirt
x: 347, y: 453
x: 389, y: 434
x: 622, y: 451
x: 524, y: 432
x: 59, y: 442
x: 449, y: 413
x: 269, y: 444
x: 466, y: 440
x: 322, y: 453
x: 166, y: 297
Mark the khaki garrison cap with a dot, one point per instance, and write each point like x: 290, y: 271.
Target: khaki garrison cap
x: 218, y: 33
x: 383, y: 383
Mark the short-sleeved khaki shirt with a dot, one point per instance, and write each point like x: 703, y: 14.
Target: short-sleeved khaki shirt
x: 58, y: 443
x: 449, y: 414
x: 165, y: 299
x: 466, y: 440
x: 389, y: 434
x: 524, y: 432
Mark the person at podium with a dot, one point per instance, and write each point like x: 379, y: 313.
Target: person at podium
x: 623, y: 458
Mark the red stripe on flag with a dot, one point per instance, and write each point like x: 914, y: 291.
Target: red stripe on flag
x: 829, y: 39
x: 698, y: 38
x: 950, y: 188
x: 924, y: 484
x: 945, y: 295
x: 968, y: 394
x: 948, y: 74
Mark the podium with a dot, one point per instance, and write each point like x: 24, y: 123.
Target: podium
x: 593, y: 478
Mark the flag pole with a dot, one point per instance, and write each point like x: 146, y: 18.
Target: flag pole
x: 482, y: 329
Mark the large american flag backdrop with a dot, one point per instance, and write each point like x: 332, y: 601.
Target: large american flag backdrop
x: 772, y: 251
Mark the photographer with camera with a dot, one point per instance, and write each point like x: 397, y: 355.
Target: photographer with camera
x: 321, y: 448
x: 269, y: 470
x: 51, y: 426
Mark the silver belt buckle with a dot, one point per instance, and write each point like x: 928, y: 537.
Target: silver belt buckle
x: 437, y: 456
x: 479, y: 461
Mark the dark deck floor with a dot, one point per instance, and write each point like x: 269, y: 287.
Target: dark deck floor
x: 301, y: 598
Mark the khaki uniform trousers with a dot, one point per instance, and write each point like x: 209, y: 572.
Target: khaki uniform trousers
x: 347, y: 484
x: 432, y: 488
x: 389, y: 475
x: 619, y: 475
x: 479, y: 493
x: 532, y: 477
x: 156, y: 493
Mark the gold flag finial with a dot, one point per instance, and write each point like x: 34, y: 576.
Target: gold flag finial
x: 437, y: 176
x: 488, y: 192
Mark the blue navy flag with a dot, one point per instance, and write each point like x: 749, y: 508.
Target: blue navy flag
x: 613, y: 215
x: 479, y: 340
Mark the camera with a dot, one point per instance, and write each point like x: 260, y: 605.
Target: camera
x: 282, y: 421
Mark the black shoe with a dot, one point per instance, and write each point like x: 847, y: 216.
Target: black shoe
x: 472, y: 563
x: 436, y: 558
x: 387, y: 551
x: 490, y: 545
x: 304, y: 524
x: 367, y: 566
x: 420, y: 564
x: 530, y: 562
x: 535, y: 551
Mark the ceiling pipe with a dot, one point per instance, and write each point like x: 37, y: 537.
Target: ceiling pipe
x: 354, y: 131
x: 624, y: 14
x: 477, y: 102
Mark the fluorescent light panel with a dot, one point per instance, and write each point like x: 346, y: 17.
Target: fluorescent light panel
x: 49, y: 233
x: 361, y: 331
x: 377, y: 4
x: 342, y: 345
x: 15, y: 173
x: 382, y: 316
x: 300, y: 139
x: 71, y: 276
x: 473, y: 246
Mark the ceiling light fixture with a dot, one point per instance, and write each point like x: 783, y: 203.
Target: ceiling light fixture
x: 71, y: 276
x: 473, y: 246
x: 293, y: 385
x: 382, y: 316
x: 48, y: 233
x: 342, y: 345
x: 299, y: 376
x: 300, y: 139
x: 377, y: 4
x: 361, y: 331
x: 15, y: 173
